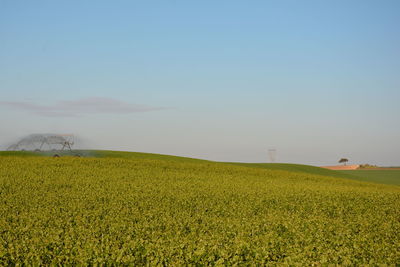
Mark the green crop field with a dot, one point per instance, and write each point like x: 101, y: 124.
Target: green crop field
x: 98, y: 154
x: 146, y: 209
x: 297, y: 168
x: 385, y: 176
x: 377, y: 176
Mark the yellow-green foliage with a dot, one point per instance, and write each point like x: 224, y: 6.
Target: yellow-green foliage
x: 104, y: 211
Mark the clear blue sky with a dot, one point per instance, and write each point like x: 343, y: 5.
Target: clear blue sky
x: 221, y: 80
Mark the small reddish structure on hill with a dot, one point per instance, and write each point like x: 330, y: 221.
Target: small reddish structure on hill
x: 342, y: 167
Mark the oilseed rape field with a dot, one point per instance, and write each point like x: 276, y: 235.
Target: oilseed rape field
x: 155, y: 211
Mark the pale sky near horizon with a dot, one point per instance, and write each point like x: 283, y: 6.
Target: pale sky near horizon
x: 219, y: 80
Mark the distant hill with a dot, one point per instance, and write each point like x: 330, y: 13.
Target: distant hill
x: 97, y: 154
x: 296, y: 168
x: 390, y: 177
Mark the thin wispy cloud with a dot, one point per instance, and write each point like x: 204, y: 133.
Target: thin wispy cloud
x: 80, y: 107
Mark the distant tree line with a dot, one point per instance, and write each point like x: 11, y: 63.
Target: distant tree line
x: 368, y: 166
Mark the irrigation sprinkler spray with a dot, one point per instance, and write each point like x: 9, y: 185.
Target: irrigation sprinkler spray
x: 44, y: 142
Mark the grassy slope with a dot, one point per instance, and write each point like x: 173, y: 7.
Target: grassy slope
x: 391, y: 177
x: 377, y: 176
x: 382, y: 176
x: 18, y: 154
x: 140, y: 155
x: 151, y: 211
x: 296, y: 168
x: 101, y: 154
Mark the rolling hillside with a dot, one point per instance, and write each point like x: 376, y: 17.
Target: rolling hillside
x: 146, y: 209
x: 386, y: 176
x: 376, y: 176
x: 99, y: 154
x: 296, y: 168
x: 173, y: 211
